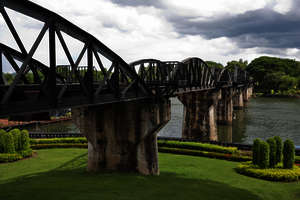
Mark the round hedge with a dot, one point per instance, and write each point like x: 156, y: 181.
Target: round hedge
x: 272, y: 153
x: 274, y: 174
x: 255, y: 151
x: 278, y: 149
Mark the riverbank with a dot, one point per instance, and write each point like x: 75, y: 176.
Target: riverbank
x: 6, y: 123
x: 295, y: 96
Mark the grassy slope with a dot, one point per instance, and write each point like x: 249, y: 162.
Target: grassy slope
x: 60, y: 174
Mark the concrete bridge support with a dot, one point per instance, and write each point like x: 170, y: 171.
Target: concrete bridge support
x: 238, y: 99
x: 225, y: 107
x: 199, y: 120
x: 123, y: 136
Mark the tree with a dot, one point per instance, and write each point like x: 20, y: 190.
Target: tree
x: 240, y: 63
x: 214, y: 64
x: 274, y: 74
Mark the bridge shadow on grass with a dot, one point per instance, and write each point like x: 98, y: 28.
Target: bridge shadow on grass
x: 71, y: 181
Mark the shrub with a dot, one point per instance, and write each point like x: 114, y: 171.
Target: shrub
x: 278, y: 149
x: 275, y: 174
x: 288, y: 154
x: 16, y: 134
x: 198, y: 146
x: 264, y: 151
x: 8, y: 142
x: 255, y: 151
x: 26, y: 153
x: 272, y: 153
x: 24, y: 140
x: 2, y: 143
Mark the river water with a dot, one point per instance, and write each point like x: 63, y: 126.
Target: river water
x: 261, y: 118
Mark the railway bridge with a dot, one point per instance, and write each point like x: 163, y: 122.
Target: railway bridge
x: 119, y: 107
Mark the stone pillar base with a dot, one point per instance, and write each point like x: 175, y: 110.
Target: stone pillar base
x: 200, y: 115
x: 122, y: 136
x: 238, y: 100
x: 225, y: 107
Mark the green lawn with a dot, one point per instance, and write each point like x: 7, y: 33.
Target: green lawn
x: 60, y: 174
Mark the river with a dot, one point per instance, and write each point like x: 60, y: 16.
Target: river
x: 261, y: 118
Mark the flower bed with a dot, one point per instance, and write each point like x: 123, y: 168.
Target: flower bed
x: 271, y: 174
x: 11, y: 157
x: 198, y: 146
x: 223, y: 156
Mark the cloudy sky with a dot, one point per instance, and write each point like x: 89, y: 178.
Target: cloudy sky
x: 218, y: 30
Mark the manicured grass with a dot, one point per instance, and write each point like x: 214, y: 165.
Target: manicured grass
x: 60, y: 174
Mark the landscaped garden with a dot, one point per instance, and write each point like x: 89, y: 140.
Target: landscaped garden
x: 61, y: 174
x: 58, y: 171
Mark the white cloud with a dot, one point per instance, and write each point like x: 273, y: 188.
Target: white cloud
x: 283, y: 6
x: 144, y: 32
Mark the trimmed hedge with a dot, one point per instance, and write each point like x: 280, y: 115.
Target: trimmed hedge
x: 76, y: 140
x: 191, y: 152
x: 7, y: 142
x: 16, y: 133
x: 11, y: 157
x: 278, y: 149
x: 198, y: 146
x: 264, y: 152
x: 272, y: 153
x: 288, y: 154
x: 255, y: 151
x: 24, y: 140
x: 275, y: 174
x: 60, y: 145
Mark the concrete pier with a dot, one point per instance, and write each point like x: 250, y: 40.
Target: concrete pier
x: 122, y: 136
x: 199, y: 121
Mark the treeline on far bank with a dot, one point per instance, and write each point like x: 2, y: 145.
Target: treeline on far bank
x: 273, y: 76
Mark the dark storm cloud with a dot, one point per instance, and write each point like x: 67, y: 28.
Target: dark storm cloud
x: 135, y: 3
x: 258, y: 28
x: 264, y: 27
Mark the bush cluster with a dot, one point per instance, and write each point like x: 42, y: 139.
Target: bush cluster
x: 198, y: 146
x: 269, y: 154
x: 14, y: 141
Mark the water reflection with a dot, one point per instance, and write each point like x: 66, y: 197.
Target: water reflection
x: 63, y: 126
x: 261, y: 118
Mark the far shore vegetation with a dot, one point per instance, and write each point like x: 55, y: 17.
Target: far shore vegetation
x: 273, y: 76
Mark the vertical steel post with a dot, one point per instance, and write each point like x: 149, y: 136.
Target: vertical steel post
x: 1, y: 69
x: 52, y: 72
x: 89, y: 74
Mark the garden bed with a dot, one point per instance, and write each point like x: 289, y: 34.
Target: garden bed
x: 271, y: 174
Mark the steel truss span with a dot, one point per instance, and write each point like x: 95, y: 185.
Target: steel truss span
x: 62, y: 86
